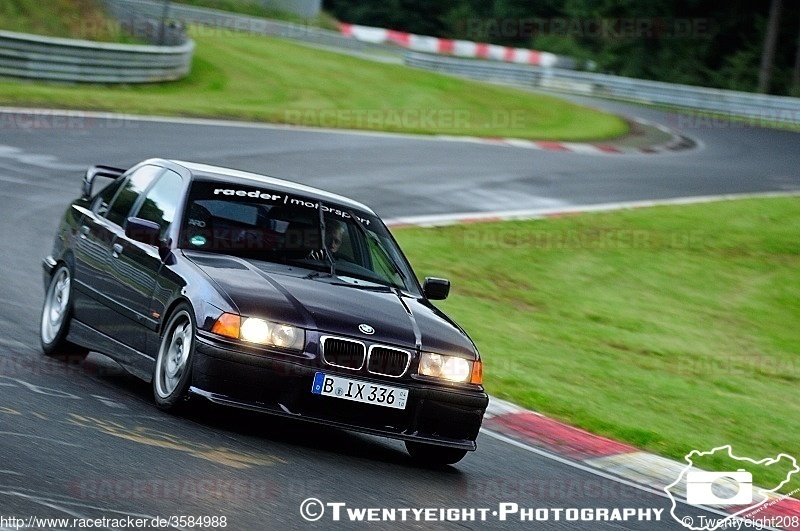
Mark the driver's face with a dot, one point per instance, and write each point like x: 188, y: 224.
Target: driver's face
x: 334, y: 241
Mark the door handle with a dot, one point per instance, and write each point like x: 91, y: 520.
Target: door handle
x: 116, y: 250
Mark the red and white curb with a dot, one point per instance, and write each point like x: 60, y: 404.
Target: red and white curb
x: 612, y: 458
x: 579, y: 147
x: 676, y: 143
x: 459, y: 48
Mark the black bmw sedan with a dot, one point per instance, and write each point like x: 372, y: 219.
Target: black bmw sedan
x: 263, y: 294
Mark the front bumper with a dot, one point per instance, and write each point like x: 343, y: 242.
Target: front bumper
x: 281, y: 386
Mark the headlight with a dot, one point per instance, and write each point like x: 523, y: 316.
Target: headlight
x: 260, y: 331
x: 450, y: 368
x: 255, y: 330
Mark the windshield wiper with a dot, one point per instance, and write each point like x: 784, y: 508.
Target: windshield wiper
x: 325, y: 249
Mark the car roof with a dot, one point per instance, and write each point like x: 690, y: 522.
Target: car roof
x: 209, y: 173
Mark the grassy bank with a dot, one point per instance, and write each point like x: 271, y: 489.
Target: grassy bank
x: 255, y: 8
x: 77, y: 19
x: 671, y: 328
x: 258, y: 78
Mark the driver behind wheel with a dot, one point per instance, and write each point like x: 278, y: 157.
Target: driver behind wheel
x: 334, y: 233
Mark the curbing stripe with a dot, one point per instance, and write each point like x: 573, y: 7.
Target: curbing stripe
x: 614, y: 460
x: 676, y: 142
x: 786, y: 508
x: 541, y: 213
x: 642, y: 467
x: 557, y: 436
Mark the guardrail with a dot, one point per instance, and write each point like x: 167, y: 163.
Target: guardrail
x: 352, y: 37
x: 224, y: 21
x: 74, y: 60
x: 764, y: 108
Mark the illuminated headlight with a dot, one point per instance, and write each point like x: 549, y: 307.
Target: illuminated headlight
x: 450, y: 368
x: 256, y: 330
x: 260, y: 331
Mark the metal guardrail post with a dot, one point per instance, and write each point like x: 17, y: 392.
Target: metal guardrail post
x: 80, y: 61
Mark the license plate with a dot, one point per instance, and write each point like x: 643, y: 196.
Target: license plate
x: 358, y: 391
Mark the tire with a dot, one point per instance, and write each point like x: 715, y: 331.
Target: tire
x: 173, y: 371
x: 57, y: 315
x: 433, y: 455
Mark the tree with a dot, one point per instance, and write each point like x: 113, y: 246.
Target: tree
x: 770, y: 41
x: 736, y: 44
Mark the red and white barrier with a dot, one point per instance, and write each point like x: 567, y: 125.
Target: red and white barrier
x: 459, y: 48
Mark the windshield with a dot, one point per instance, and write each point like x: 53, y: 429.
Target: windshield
x: 274, y: 226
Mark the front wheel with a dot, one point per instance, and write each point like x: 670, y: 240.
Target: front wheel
x: 433, y: 455
x: 172, y: 374
x: 56, y: 317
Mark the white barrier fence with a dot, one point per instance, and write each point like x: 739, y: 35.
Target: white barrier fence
x: 760, y: 107
x: 73, y: 60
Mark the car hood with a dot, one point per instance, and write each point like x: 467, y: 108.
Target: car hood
x: 329, y: 305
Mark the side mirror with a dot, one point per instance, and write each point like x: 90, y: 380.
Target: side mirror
x: 149, y: 233
x: 97, y: 171
x: 86, y: 185
x: 143, y: 231
x: 436, y: 289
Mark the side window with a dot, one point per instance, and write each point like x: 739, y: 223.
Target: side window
x: 161, y: 202
x: 103, y: 199
x: 137, y: 183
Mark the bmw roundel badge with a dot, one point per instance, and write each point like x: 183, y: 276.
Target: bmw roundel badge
x: 367, y: 329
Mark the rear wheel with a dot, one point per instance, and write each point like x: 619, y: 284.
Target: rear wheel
x: 433, y: 455
x: 172, y: 374
x: 56, y: 317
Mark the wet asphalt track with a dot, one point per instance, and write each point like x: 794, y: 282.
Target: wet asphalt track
x: 87, y: 441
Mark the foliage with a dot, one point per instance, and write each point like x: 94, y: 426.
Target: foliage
x: 713, y: 43
x: 258, y: 8
x: 80, y: 19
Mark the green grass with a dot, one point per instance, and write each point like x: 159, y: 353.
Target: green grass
x: 257, y: 9
x: 670, y: 328
x: 78, y: 19
x: 262, y: 79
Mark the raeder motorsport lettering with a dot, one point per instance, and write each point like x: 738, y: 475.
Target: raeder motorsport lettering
x: 294, y: 201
